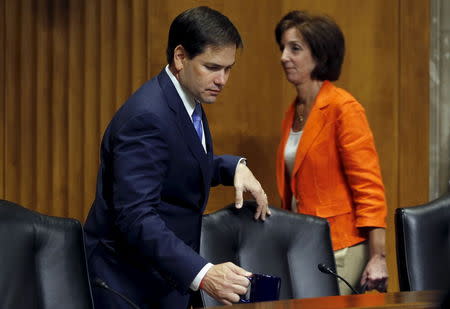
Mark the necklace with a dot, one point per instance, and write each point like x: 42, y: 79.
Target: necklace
x: 300, y: 114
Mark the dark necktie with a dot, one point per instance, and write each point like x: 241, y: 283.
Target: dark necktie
x: 197, y: 120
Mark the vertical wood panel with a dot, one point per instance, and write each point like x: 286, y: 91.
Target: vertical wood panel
x: 148, y: 38
x: 12, y: 82
x: 138, y: 44
x: 91, y: 98
x: 75, y: 100
x: 414, y: 102
x: 123, y: 59
x: 107, y: 62
x: 59, y: 117
x: 43, y: 103
x: 2, y: 99
x: 26, y: 137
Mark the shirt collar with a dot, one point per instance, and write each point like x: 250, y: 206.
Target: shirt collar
x: 188, y: 100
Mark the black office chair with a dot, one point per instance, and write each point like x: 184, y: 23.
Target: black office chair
x: 287, y: 245
x: 423, y: 245
x: 42, y: 261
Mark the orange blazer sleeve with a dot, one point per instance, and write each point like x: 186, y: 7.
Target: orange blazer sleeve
x: 360, y: 161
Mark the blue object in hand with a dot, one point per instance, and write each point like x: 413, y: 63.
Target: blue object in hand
x: 262, y: 288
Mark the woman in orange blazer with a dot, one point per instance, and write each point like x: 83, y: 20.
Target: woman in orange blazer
x: 327, y: 164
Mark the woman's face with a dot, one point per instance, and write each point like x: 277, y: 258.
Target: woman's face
x: 296, y: 57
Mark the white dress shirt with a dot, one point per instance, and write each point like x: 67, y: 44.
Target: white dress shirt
x: 290, y: 152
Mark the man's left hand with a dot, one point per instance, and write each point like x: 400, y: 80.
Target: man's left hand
x: 244, y: 181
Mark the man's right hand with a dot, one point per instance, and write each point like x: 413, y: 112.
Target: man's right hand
x: 225, y: 282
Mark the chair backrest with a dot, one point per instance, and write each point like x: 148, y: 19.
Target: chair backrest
x: 287, y: 245
x: 42, y: 261
x: 423, y: 245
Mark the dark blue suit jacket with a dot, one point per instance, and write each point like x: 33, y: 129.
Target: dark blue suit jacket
x: 143, y: 230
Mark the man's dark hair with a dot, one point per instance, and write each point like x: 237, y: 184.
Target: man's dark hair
x: 199, y: 27
x: 324, y: 38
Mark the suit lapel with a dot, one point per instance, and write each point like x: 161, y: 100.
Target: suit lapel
x: 185, y: 125
x: 314, y: 125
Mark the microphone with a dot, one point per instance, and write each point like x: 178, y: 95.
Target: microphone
x: 102, y: 284
x: 327, y: 270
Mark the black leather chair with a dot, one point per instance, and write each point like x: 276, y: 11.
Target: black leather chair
x: 423, y: 245
x: 42, y: 261
x: 287, y: 245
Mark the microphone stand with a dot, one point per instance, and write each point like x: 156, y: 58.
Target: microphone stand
x: 327, y: 270
x: 102, y: 284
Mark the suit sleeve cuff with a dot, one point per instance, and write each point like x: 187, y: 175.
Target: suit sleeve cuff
x: 196, y: 282
x: 241, y: 161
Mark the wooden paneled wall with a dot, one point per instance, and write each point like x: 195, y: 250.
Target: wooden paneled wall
x: 67, y: 65
x: 2, y: 99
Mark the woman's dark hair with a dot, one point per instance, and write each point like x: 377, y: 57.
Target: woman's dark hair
x: 324, y: 38
x: 199, y: 27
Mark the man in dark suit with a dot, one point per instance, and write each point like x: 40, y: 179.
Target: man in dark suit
x: 157, y: 167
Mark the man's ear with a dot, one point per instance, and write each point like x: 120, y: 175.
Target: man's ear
x: 179, y: 55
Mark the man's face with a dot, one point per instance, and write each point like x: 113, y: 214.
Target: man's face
x: 205, y: 75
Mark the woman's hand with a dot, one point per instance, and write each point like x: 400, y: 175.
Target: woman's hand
x: 375, y: 275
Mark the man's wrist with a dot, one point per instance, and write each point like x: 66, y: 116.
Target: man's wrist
x: 242, y: 161
x: 196, y: 283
